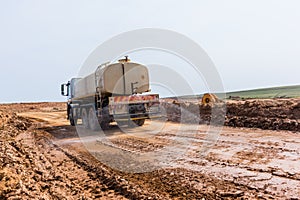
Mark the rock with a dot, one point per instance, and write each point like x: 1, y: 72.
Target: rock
x: 2, y: 175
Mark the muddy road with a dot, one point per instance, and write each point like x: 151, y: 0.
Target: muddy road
x: 48, y: 159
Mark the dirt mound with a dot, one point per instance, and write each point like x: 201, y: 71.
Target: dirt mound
x: 279, y: 114
x: 265, y: 114
x: 11, y: 124
x: 41, y: 106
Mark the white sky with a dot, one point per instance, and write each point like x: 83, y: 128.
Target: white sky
x: 43, y: 43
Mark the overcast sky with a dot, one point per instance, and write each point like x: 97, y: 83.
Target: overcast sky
x: 44, y: 43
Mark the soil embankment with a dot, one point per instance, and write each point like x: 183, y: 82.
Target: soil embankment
x: 271, y: 114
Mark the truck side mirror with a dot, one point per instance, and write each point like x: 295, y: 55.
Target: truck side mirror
x: 64, y: 90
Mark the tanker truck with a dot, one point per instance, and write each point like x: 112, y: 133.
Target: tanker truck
x: 114, y: 92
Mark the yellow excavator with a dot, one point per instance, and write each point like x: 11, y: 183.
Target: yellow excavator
x: 209, y: 99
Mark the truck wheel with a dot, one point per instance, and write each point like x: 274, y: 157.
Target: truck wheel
x: 139, y: 122
x: 73, y: 121
x: 105, y: 120
x: 135, y: 123
x: 104, y: 125
x: 93, y: 120
x: 84, y: 117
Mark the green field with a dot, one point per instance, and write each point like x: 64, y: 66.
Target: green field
x: 263, y: 93
x: 274, y: 92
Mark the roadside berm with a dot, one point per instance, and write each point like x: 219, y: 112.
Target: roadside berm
x: 271, y: 114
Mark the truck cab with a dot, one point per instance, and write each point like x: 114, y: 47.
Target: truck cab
x: 67, y: 89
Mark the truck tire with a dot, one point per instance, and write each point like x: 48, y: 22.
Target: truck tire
x: 84, y: 117
x: 139, y: 122
x: 105, y: 120
x: 131, y: 123
x: 135, y: 123
x: 72, y: 119
x: 93, y: 120
x: 104, y: 125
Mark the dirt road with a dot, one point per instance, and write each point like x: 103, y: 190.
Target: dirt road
x: 243, y: 163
